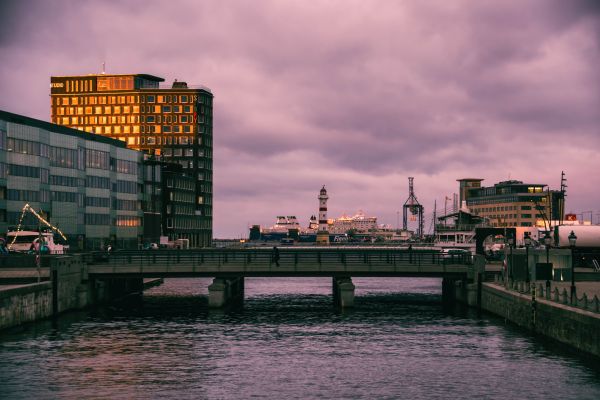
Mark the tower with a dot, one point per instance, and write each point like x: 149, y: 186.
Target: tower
x: 322, y: 233
x: 416, y: 210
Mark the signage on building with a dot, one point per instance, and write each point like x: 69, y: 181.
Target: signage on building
x: 571, y: 217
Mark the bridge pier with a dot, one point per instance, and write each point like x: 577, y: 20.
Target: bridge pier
x: 343, y: 291
x: 225, y: 291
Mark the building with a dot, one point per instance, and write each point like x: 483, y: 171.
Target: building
x: 87, y: 185
x: 512, y: 203
x: 173, y: 123
x: 358, y: 223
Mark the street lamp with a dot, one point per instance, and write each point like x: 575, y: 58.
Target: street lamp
x: 547, y: 243
x: 572, y: 242
x: 527, y: 240
x: 511, y: 244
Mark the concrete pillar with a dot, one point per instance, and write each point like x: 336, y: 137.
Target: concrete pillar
x: 448, y: 290
x: 225, y: 291
x: 343, y: 292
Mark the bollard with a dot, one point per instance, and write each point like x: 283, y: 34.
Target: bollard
x: 584, y: 302
x: 556, y: 295
x: 596, y: 304
x: 565, y: 297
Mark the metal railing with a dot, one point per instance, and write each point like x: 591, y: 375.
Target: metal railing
x: 557, y: 296
x: 283, y: 257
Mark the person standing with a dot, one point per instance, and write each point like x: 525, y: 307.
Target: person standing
x: 275, y: 256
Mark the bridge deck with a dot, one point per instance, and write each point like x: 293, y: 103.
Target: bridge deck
x: 292, y: 262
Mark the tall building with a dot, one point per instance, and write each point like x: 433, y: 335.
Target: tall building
x: 512, y: 203
x: 173, y: 123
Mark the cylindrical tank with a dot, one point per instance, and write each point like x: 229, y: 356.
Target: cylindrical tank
x: 587, y: 235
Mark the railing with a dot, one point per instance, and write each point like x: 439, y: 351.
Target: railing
x: 556, y: 295
x: 283, y: 257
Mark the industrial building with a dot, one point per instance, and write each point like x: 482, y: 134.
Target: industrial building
x: 173, y: 123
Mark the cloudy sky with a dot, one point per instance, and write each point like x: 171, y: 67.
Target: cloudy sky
x: 354, y: 95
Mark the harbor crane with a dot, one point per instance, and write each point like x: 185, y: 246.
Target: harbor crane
x: 415, y: 208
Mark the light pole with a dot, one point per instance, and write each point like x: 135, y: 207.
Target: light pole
x: 511, y: 244
x: 547, y: 243
x: 527, y: 240
x: 572, y: 242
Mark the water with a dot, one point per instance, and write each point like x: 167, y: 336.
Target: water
x: 288, y: 342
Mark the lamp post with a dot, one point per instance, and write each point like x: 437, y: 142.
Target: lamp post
x: 547, y: 243
x: 572, y: 242
x: 511, y: 244
x: 527, y: 240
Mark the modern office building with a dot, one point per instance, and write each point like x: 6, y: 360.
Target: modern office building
x: 87, y: 185
x: 512, y: 203
x: 173, y: 123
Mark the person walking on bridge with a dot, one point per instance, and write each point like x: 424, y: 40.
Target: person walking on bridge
x: 275, y: 256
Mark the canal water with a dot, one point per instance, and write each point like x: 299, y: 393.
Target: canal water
x: 288, y: 342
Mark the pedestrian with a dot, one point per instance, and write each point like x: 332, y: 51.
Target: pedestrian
x: 275, y: 256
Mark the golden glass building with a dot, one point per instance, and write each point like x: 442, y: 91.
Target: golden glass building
x: 173, y: 123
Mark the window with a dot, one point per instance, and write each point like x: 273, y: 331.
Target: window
x: 166, y: 109
x: 166, y: 129
x: 150, y: 98
x: 184, y: 119
x: 187, y: 109
x: 97, y: 159
x: 97, y: 219
x: 97, y: 182
x: 177, y: 109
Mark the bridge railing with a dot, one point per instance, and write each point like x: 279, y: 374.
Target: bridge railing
x: 283, y: 257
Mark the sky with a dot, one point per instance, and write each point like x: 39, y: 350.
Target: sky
x: 353, y: 95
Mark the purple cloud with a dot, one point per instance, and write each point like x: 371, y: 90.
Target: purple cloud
x: 352, y: 94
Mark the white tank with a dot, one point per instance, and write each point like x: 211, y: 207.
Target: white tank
x: 587, y: 235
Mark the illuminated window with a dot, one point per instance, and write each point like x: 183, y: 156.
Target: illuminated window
x: 136, y: 129
x: 122, y: 100
x: 117, y: 109
x: 126, y: 109
x: 88, y: 110
x: 112, y: 99
x: 156, y: 128
x: 136, y: 109
x: 117, y: 129
x: 103, y: 120
x: 157, y: 109
x: 107, y: 110
x: 73, y: 120
x: 126, y: 129
x: 79, y: 110
x: 160, y: 99
x: 108, y: 129
x: 65, y: 120
x: 131, y: 140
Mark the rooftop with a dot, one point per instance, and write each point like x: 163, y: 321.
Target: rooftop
x: 145, y: 76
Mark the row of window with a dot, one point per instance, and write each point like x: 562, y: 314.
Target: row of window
x: 181, y: 184
x: 92, y: 100
x: 28, y: 195
x: 69, y: 181
x: 188, y: 223
x: 120, y: 220
x: 181, y: 209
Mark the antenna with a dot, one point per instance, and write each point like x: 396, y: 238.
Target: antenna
x: 103, y: 67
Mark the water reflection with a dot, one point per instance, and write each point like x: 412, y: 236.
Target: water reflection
x: 288, y: 341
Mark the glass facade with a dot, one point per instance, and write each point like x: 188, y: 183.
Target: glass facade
x: 70, y: 177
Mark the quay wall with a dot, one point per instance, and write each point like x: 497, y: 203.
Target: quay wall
x: 26, y: 303
x: 68, y: 288
x: 569, y: 325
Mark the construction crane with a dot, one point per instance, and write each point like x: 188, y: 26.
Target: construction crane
x: 41, y: 221
x: 416, y: 210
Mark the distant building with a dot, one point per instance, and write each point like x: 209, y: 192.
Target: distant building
x: 512, y: 203
x: 358, y: 223
x: 173, y: 122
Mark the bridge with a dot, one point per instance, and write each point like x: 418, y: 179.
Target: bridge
x: 229, y: 267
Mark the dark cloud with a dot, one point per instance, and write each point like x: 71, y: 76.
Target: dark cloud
x: 353, y: 94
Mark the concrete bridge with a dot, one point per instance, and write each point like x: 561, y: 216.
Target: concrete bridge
x: 229, y: 267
